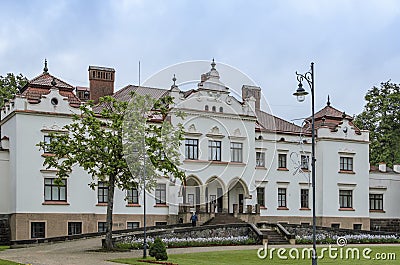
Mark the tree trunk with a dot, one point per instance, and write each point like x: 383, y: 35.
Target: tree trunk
x: 110, y: 206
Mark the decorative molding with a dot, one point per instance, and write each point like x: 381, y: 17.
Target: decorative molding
x: 214, y: 133
x: 378, y: 188
x: 347, y: 184
x: 192, y: 131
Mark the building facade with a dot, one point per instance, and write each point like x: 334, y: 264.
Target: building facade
x: 237, y: 159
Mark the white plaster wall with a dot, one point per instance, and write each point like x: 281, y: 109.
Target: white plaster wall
x: 5, y: 196
x: 330, y: 146
x: 387, y: 184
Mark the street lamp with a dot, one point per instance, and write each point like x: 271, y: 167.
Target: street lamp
x: 300, y: 94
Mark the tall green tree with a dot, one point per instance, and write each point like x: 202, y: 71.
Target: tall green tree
x: 381, y: 116
x: 9, y: 86
x: 95, y: 141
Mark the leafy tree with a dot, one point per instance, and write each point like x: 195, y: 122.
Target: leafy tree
x: 381, y: 116
x: 95, y: 142
x: 9, y: 86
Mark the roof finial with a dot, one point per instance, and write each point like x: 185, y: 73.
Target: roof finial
x: 45, y: 69
x: 174, y: 86
x: 328, y: 103
x: 174, y: 80
x: 213, y: 64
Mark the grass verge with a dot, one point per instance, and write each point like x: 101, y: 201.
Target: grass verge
x: 4, y: 247
x: 7, y: 262
x: 378, y: 255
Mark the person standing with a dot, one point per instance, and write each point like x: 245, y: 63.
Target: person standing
x: 194, y: 219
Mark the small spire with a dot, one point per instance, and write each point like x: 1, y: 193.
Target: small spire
x: 213, y: 64
x: 174, y: 84
x: 45, y: 69
x: 53, y: 82
x: 174, y: 79
x: 328, y: 103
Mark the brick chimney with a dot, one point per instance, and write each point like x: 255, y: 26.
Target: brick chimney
x: 252, y: 91
x: 101, y: 82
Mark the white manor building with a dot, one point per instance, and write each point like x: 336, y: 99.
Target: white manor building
x: 237, y: 158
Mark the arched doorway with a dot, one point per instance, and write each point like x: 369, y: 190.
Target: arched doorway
x: 237, y: 193
x: 192, y: 194
x: 215, y: 196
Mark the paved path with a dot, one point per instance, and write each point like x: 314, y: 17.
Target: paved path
x: 83, y: 252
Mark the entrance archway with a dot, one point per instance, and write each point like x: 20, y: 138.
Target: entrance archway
x: 215, y: 196
x: 237, y: 193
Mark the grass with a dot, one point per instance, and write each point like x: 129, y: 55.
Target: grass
x: 7, y: 262
x: 249, y: 257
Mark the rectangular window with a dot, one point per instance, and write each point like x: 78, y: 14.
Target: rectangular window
x: 261, y: 196
x: 133, y: 196
x: 335, y: 225
x: 346, y: 163
x: 191, y: 199
x: 54, y: 191
x: 38, y: 230
x: 346, y: 198
x: 214, y: 150
x: 132, y: 225
x: 161, y: 223
x: 236, y: 152
x: 376, y: 202
x: 304, y: 198
x: 305, y: 162
x: 192, y: 149
x: 161, y: 194
x: 260, y: 159
x: 74, y: 228
x: 102, y: 192
x: 282, y: 161
x: 101, y: 227
x: 357, y: 226
x: 47, y: 141
x: 282, y: 197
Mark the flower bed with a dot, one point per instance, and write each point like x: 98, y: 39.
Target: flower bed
x: 190, y: 242
x: 358, y: 238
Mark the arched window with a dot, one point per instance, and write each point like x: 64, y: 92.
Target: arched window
x: 206, y: 108
x: 221, y: 109
x: 214, y: 109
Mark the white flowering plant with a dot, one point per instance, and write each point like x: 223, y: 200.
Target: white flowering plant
x: 174, y: 242
x: 357, y: 238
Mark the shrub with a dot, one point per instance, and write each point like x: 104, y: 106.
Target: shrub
x: 158, y: 250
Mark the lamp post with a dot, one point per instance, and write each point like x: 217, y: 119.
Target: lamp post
x: 300, y: 94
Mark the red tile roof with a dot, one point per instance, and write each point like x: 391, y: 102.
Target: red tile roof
x: 330, y: 117
x: 41, y: 85
x: 272, y: 123
x: 124, y: 94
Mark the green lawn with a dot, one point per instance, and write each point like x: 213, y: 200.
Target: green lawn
x: 249, y: 257
x: 4, y: 247
x: 7, y: 262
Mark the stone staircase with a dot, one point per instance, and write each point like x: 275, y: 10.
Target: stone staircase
x: 274, y: 237
x: 223, y: 218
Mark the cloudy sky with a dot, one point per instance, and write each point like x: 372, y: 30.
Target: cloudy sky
x: 354, y: 44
